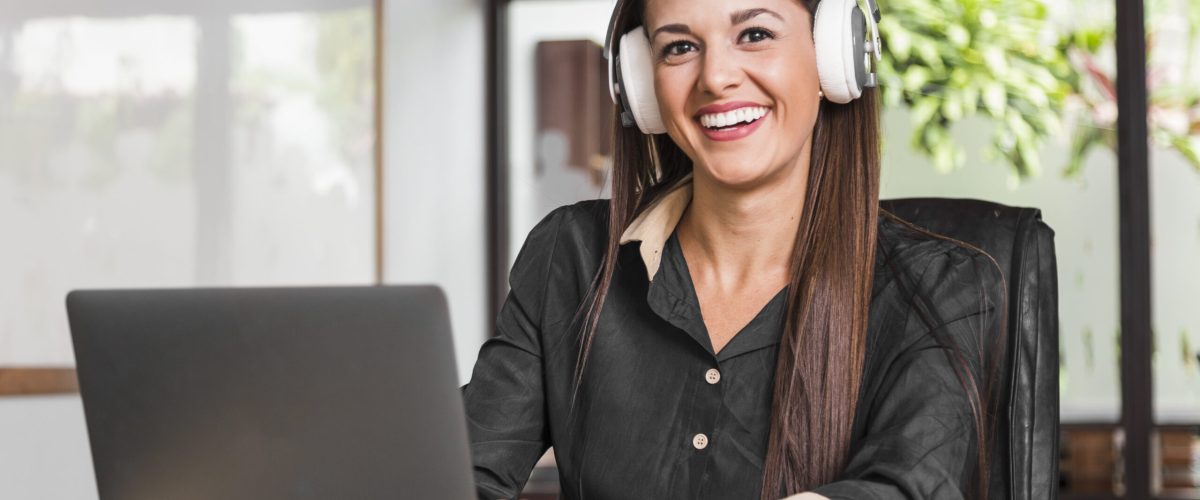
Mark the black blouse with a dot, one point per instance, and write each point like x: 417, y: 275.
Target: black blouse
x: 660, y: 416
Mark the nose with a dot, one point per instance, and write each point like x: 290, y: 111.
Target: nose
x: 720, y: 71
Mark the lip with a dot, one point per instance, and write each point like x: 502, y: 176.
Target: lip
x: 728, y: 106
x: 734, y: 133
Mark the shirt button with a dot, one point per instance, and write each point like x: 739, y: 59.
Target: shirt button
x: 712, y: 376
x: 700, y: 441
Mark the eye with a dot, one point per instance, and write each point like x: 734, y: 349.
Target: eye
x: 677, y: 48
x: 755, y: 35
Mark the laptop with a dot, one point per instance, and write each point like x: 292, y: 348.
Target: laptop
x: 271, y: 393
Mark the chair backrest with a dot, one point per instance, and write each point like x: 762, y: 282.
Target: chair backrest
x: 1024, y: 458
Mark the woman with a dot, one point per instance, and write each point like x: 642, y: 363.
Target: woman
x: 749, y: 324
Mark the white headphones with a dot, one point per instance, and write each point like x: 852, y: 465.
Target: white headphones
x: 839, y: 33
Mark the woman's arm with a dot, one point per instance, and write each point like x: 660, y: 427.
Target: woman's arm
x: 505, y: 401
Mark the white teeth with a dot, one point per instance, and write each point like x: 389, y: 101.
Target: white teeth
x: 719, y: 120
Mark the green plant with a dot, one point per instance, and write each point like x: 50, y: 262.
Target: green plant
x: 950, y: 59
x: 1093, y: 90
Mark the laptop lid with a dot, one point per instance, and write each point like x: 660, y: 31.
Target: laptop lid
x: 271, y: 393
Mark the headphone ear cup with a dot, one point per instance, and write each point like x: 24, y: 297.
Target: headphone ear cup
x: 837, y: 34
x: 637, y: 81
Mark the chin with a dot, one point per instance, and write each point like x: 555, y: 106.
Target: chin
x: 737, y: 174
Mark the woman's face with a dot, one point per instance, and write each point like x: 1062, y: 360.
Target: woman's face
x: 719, y: 63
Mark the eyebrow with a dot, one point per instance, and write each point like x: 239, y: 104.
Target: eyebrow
x: 672, y: 28
x: 735, y: 19
x: 742, y: 16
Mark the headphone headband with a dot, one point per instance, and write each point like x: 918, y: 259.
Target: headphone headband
x: 612, y: 27
x: 609, y: 40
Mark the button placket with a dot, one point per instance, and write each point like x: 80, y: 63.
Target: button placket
x: 700, y: 440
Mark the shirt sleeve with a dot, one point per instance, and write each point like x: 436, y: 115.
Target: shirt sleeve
x: 504, y: 400
x: 920, y: 440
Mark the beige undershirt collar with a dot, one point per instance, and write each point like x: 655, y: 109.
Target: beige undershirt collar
x: 654, y: 225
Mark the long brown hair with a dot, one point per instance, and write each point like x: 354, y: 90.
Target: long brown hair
x: 819, y: 367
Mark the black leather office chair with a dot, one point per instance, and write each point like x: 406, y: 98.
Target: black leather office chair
x: 1024, y: 460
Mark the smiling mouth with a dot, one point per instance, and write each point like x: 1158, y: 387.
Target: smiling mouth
x: 732, y: 119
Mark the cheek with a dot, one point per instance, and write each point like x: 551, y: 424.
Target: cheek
x: 787, y: 72
x: 792, y: 80
x: 672, y: 84
x: 795, y: 64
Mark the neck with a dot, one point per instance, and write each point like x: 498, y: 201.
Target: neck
x: 741, y: 237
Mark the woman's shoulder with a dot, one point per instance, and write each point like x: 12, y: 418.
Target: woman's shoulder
x: 559, y: 257
x: 587, y: 219
x: 578, y: 231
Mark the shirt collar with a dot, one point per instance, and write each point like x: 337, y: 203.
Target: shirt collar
x: 655, y: 224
